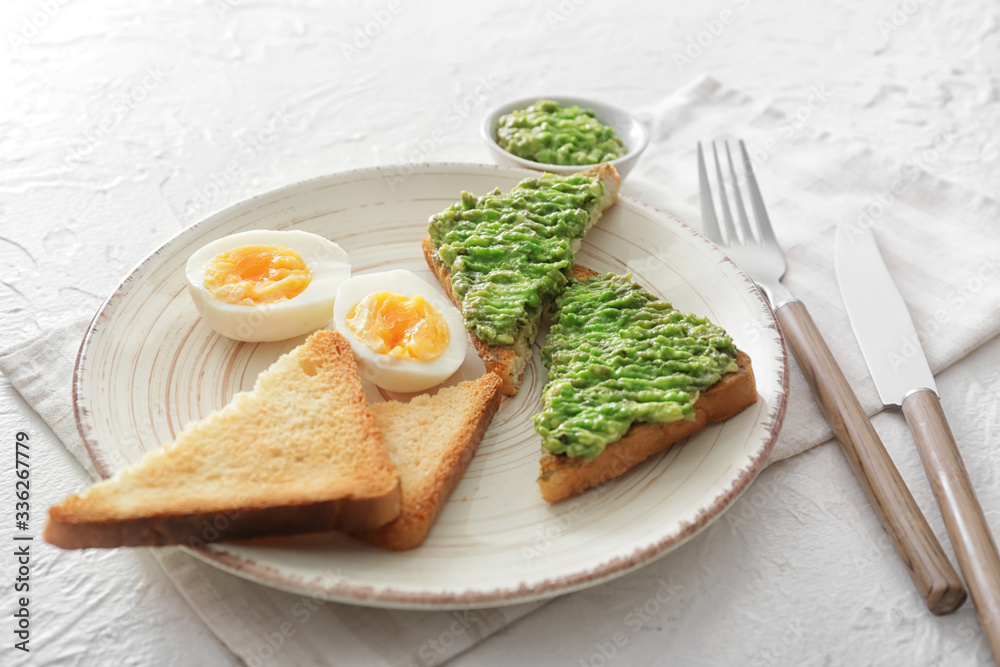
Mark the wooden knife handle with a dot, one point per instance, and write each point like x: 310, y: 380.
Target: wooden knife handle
x: 963, y: 516
x: 915, y: 542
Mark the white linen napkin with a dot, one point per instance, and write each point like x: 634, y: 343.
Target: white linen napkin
x: 937, y: 240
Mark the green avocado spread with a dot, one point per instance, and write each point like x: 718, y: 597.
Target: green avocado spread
x: 509, y: 253
x: 616, y: 355
x: 552, y: 134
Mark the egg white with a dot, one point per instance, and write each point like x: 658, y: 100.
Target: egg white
x: 390, y: 373
x: 307, y: 311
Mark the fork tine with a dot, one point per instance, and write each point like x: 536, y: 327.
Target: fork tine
x: 727, y: 214
x: 741, y: 212
x: 709, y: 221
x: 756, y: 201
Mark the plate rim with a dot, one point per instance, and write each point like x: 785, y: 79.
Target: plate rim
x: 469, y: 599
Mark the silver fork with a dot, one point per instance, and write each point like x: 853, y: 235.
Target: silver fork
x: 756, y: 250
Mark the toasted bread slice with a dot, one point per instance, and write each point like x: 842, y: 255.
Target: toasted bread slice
x: 509, y: 361
x: 299, y: 453
x: 564, y: 476
x: 431, y: 440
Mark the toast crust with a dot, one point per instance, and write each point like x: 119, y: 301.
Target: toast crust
x: 563, y: 476
x: 509, y: 362
x: 199, y: 528
x: 421, y: 506
x: 107, y: 516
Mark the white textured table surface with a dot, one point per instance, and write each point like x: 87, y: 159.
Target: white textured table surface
x: 123, y: 122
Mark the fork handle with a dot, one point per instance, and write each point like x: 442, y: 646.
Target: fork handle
x: 915, y: 542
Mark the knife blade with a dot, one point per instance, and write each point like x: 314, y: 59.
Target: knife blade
x: 892, y: 349
x: 879, y: 317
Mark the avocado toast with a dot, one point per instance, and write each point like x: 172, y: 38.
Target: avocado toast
x: 629, y: 375
x: 503, y: 257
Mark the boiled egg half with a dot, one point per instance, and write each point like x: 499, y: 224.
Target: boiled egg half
x: 405, y: 335
x: 265, y: 285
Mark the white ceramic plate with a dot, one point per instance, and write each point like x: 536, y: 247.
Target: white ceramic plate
x: 148, y: 365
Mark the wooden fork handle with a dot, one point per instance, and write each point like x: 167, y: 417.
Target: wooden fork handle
x: 963, y: 515
x: 915, y: 542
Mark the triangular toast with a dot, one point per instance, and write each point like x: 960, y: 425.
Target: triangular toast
x: 455, y: 225
x: 299, y: 453
x: 563, y: 476
x: 431, y: 440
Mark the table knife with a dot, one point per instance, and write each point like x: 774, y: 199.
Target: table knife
x: 895, y: 357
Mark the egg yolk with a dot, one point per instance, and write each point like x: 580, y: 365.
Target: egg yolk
x: 399, y: 326
x: 256, y: 274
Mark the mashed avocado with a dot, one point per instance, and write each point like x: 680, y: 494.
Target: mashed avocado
x: 616, y: 355
x: 508, y: 253
x: 549, y: 133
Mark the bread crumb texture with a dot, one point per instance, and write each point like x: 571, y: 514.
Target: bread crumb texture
x: 431, y: 439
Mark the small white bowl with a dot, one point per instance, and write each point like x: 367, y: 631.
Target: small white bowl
x: 632, y: 133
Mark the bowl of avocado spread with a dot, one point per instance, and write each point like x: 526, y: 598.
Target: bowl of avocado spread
x: 563, y: 134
